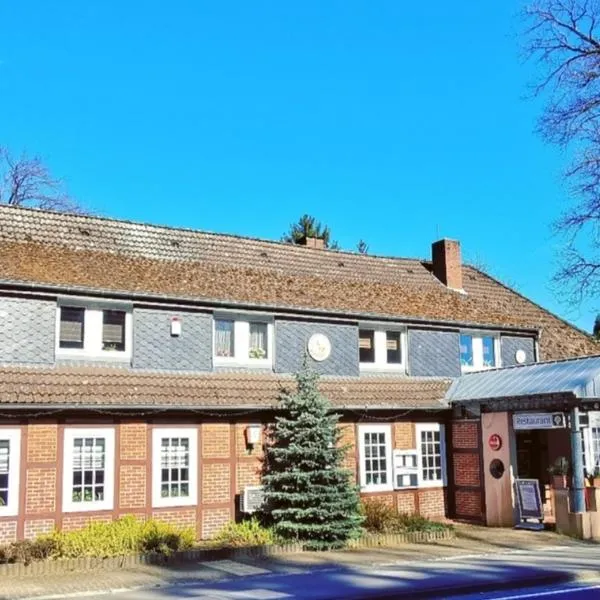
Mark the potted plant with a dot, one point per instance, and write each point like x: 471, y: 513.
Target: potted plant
x: 596, y: 477
x: 559, y: 470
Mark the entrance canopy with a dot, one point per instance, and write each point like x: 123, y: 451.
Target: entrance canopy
x: 577, y: 378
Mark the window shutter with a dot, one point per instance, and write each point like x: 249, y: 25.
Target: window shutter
x: 71, y: 326
x: 113, y: 329
x: 365, y: 340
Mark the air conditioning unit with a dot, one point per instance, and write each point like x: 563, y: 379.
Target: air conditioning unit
x: 251, y: 498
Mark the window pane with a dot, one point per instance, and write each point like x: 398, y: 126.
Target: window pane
x: 375, y: 467
x: 394, y: 355
x: 113, y: 330
x: 489, y: 351
x: 466, y: 350
x: 174, y: 460
x: 224, y: 343
x: 366, y: 346
x: 258, y: 340
x: 4, y: 465
x: 88, y: 469
x: 431, y: 457
x: 71, y: 327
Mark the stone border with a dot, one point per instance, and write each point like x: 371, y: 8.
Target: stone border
x: 68, y: 565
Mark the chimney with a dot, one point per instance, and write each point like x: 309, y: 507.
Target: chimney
x: 447, y: 264
x: 313, y: 242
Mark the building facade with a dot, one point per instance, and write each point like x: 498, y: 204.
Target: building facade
x: 140, y: 366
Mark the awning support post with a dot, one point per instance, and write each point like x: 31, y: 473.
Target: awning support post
x: 578, y: 483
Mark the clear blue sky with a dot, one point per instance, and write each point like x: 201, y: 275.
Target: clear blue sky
x: 391, y: 121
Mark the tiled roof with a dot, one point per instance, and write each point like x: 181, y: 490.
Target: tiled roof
x: 40, y: 247
x: 88, y: 386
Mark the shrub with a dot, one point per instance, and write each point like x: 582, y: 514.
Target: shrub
x: 127, y: 535
x: 381, y: 517
x: 27, y: 551
x: 246, y: 533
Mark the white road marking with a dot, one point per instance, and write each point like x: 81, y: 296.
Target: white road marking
x: 235, y: 568
x: 569, y: 590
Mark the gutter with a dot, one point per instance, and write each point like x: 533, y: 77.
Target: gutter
x: 281, y: 309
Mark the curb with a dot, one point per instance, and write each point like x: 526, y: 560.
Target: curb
x: 71, y: 565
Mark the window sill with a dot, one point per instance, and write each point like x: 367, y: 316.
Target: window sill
x: 374, y: 489
x: 387, y: 368
x: 71, y: 507
x: 9, y: 511
x: 120, y: 357
x: 173, y: 502
x: 257, y: 363
x: 465, y: 369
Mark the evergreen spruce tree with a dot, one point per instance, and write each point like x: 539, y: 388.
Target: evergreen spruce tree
x: 597, y: 327
x: 309, y: 496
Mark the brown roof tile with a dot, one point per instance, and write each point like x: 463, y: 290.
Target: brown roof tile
x: 99, y: 254
x: 81, y: 386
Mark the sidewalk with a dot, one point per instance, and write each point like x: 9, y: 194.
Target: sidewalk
x: 496, y: 552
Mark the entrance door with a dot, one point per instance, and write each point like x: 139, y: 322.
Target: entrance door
x: 532, y: 455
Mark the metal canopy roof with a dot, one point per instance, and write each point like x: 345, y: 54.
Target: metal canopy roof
x: 579, y: 377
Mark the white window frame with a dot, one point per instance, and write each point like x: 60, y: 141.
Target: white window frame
x: 380, y: 348
x: 383, y: 487
x: 477, y: 337
x: 11, y: 509
x: 431, y: 427
x: 241, y: 341
x: 157, y: 434
x: 108, y: 433
x: 92, y: 331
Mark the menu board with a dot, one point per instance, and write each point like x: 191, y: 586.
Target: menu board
x: 529, y: 499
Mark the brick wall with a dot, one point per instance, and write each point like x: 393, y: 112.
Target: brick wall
x: 466, y: 452
x: 226, y: 466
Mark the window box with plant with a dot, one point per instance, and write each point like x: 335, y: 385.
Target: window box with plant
x: 242, y: 340
x: 93, y: 331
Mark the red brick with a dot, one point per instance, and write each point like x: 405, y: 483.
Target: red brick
x: 8, y: 531
x: 465, y: 434
x: 468, y: 503
x: 466, y: 469
x: 40, y: 491
x: 214, y: 519
x: 215, y: 440
x: 216, y: 485
x: 37, y: 527
x: 133, y: 441
x: 42, y: 442
x: 132, y: 488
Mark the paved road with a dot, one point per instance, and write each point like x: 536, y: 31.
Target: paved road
x: 577, y: 591
x: 442, y: 578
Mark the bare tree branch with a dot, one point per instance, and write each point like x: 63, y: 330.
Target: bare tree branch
x: 563, y: 38
x: 27, y: 181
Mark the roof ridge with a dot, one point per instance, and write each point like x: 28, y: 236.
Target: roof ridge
x: 235, y: 236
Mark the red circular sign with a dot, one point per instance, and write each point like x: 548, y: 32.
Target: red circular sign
x: 495, y: 442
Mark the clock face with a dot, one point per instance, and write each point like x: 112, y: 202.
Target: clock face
x: 319, y: 347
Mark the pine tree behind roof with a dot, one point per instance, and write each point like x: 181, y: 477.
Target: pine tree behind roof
x: 309, y: 496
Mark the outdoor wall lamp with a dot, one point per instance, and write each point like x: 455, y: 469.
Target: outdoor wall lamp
x: 253, y: 434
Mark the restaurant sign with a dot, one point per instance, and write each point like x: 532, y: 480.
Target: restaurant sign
x: 555, y: 420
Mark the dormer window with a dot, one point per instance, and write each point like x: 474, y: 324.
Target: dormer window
x: 93, y: 331
x: 243, y: 341
x: 479, y: 351
x: 381, y: 348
